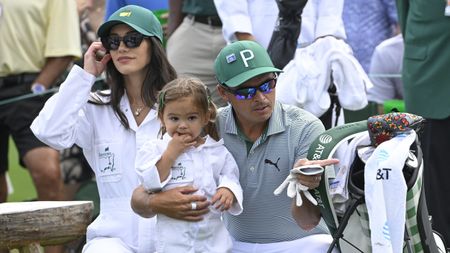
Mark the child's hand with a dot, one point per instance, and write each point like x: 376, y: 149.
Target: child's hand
x: 180, y: 143
x: 223, y: 199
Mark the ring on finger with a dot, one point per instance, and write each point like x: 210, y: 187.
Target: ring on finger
x: 194, y: 205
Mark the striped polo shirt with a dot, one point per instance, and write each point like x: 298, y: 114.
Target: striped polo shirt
x: 267, y: 218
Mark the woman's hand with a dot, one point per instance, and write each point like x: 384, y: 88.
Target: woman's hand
x: 91, y: 64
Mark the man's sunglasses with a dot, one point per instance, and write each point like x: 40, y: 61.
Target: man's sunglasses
x: 131, y: 40
x: 250, y: 92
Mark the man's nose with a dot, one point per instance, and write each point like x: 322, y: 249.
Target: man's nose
x: 259, y: 96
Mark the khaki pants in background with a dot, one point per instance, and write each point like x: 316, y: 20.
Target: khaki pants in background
x: 192, y: 49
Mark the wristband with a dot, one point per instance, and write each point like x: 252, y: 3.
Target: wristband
x: 37, y: 88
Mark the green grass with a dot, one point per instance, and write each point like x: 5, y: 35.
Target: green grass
x: 21, y: 180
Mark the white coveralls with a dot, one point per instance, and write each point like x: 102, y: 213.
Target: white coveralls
x: 110, y: 149
x: 207, y: 168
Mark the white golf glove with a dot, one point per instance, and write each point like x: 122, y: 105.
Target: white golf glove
x: 294, y: 188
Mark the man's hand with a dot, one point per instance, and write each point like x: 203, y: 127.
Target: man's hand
x: 244, y: 36
x: 175, y: 203
x: 312, y: 181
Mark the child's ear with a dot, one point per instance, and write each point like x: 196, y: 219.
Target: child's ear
x: 207, y: 118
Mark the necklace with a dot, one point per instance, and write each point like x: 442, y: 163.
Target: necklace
x: 138, y: 111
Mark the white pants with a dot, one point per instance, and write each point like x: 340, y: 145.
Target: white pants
x: 310, y: 244
x: 110, y: 245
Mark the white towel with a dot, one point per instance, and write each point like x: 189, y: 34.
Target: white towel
x: 339, y: 185
x: 385, y: 193
x: 307, y: 77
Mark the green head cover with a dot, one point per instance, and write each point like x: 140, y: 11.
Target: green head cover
x: 241, y: 61
x: 140, y: 19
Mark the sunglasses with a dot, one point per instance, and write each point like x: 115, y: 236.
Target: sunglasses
x: 250, y: 92
x: 131, y: 40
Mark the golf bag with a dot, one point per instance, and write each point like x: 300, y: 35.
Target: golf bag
x: 347, y: 217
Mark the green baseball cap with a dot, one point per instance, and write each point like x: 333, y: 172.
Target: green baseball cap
x: 241, y: 61
x: 140, y: 19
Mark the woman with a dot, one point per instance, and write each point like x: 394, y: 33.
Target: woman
x: 110, y: 126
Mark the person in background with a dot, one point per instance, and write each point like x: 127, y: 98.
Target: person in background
x: 267, y: 139
x: 256, y: 20
x: 367, y: 24
x: 153, y: 5
x: 425, y: 26
x: 111, y: 126
x: 385, y: 71
x: 40, y: 38
x: 195, y: 38
x: 190, y: 153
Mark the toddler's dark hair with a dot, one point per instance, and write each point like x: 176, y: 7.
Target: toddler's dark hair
x: 189, y: 87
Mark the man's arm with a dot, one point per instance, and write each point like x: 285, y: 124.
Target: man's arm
x: 54, y: 67
x: 174, y: 203
x: 235, y: 18
x: 140, y: 202
x: 307, y: 216
x: 175, y: 16
x: 402, y: 9
x: 244, y: 36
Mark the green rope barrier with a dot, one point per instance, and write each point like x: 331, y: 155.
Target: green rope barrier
x: 31, y: 95
x: 26, y: 96
x: 385, y: 75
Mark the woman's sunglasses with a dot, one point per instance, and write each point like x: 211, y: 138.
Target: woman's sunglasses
x: 131, y: 40
x: 250, y: 92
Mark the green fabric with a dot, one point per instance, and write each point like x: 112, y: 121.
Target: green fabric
x: 200, y: 7
x: 426, y: 79
x: 412, y: 202
x: 321, y: 148
x: 248, y: 142
x: 241, y: 61
x: 391, y: 104
x: 88, y: 191
x: 140, y: 19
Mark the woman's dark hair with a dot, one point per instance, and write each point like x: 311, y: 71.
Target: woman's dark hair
x: 159, y: 72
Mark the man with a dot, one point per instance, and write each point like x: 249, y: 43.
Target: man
x: 267, y: 139
x: 40, y: 38
x: 256, y: 20
x: 195, y: 38
x: 114, y: 5
x: 426, y: 32
x: 367, y: 24
x: 386, y: 63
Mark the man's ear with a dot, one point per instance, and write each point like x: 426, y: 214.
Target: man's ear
x: 222, y: 92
